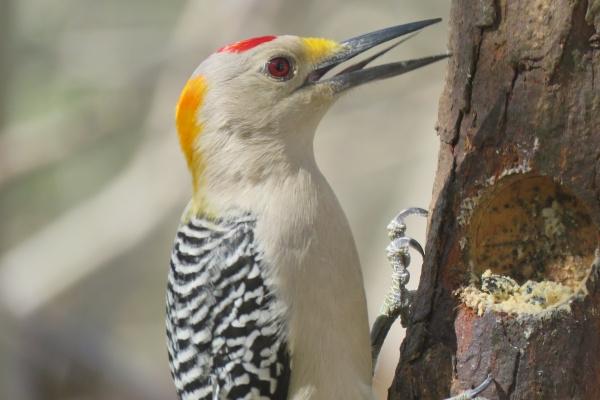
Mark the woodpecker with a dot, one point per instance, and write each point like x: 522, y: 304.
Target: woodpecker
x: 265, y: 296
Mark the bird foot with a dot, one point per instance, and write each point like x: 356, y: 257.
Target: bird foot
x: 398, y: 302
x: 472, y: 394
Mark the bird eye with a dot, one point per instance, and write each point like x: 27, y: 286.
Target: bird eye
x: 279, y: 68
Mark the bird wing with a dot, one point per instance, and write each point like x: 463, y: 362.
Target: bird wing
x: 226, y: 334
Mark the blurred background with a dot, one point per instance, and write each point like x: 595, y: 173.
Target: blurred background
x: 92, y: 183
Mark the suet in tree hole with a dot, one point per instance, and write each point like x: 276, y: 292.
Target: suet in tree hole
x: 530, y: 246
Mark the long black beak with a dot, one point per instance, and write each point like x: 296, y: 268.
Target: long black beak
x: 356, y: 74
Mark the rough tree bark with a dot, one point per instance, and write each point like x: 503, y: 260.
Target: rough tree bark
x: 519, y: 125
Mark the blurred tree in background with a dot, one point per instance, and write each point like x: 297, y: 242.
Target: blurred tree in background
x: 92, y: 184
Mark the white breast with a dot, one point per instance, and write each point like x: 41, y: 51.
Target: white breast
x: 307, y: 240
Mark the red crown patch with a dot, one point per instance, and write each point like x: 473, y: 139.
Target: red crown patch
x: 244, y: 45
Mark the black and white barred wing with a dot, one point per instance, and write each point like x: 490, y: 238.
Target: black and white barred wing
x: 225, y: 330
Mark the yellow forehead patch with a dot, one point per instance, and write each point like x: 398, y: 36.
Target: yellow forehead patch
x: 319, y: 48
x: 188, y: 125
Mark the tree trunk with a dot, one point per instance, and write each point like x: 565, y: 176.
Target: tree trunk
x: 517, y: 192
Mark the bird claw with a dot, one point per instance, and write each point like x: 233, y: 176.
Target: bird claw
x: 397, y: 227
x: 398, y: 301
x: 472, y: 394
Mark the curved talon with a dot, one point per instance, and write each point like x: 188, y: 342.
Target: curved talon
x: 397, y: 227
x: 400, y: 246
x: 482, y: 386
x: 398, y: 302
x: 472, y: 393
x: 411, y: 211
x: 417, y: 246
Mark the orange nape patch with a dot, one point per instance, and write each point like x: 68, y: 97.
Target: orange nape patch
x: 188, y: 125
x: 247, y: 44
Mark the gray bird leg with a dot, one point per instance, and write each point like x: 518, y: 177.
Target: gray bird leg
x: 398, y: 302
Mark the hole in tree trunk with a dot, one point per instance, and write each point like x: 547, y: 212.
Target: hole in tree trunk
x: 530, y: 245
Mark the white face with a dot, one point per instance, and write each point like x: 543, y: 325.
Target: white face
x: 254, y: 105
x: 263, y: 91
x: 243, y: 112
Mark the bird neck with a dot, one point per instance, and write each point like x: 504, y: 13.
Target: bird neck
x: 241, y: 170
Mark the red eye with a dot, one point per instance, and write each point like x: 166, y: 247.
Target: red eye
x: 279, y: 67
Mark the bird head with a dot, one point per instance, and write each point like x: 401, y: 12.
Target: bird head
x: 258, y: 100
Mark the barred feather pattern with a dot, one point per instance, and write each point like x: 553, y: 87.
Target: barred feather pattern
x: 226, y: 335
